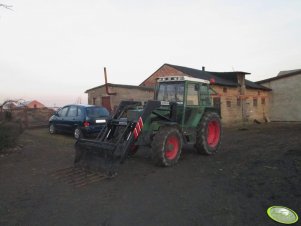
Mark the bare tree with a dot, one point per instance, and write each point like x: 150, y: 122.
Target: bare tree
x: 78, y: 100
x: 6, y: 6
x: 10, y: 102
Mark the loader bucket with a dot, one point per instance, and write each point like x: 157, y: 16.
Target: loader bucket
x: 95, y: 156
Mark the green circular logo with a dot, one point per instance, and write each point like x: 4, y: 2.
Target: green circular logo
x: 282, y: 214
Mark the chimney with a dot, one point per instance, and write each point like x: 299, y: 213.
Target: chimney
x: 203, y: 68
x: 106, y: 83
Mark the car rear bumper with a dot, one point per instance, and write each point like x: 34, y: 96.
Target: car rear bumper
x: 92, y: 129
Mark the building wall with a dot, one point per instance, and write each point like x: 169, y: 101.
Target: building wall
x: 122, y: 93
x: 285, y: 103
x: 235, y: 106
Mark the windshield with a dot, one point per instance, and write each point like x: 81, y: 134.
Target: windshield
x: 95, y: 112
x: 172, y: 92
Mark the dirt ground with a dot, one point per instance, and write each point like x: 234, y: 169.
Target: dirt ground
x: 255, y: 169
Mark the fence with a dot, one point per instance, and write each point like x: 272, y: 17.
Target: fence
x: 28, y: 117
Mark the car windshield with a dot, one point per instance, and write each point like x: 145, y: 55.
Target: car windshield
x: 95, y: 112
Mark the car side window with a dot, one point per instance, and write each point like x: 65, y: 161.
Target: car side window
x: 63, y: 112
x: 72, y: 111
x: 79, y: 111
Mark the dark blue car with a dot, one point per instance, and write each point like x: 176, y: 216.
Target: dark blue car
x: 81, y: 120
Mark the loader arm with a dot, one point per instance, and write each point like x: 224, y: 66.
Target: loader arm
x: 115, y: 140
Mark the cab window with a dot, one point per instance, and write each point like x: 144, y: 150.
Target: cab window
x: 204, y: 92
x: 172, y: 92
x: 192, y: 94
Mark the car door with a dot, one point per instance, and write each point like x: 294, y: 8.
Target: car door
x: 61, y: 119
x: 72, y: 119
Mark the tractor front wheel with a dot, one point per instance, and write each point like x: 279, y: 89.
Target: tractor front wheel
x: 167, y: 146
x: 209, y: 133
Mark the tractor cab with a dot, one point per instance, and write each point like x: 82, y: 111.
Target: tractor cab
x: 189, y: 96
x: 183, y: 90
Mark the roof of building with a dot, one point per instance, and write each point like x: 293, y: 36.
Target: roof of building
x: 221, y: 78
x: 25, y: 103
x: 122, y: 86
x: 281, y: 74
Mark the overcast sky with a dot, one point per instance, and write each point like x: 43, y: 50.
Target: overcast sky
x: 54, y: 50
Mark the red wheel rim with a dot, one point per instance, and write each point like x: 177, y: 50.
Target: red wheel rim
x: 172, y: 147
x: 213, y: 133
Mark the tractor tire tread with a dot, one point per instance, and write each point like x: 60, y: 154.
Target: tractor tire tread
x: 158, y: 145
x: 201, y: 134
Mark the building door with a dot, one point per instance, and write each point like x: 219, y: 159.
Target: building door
x: 106, y: 102
x: 217, y: 104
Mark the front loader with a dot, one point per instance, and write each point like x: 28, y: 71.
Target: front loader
x: 181, y: 113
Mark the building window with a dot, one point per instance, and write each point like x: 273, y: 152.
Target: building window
x: 217, y: 102
x: 224, y: 89
x: 238, y: 101
x: 263, y: 101
x: 94, y: 100
x: 255, y: 102
x: 228, y: 102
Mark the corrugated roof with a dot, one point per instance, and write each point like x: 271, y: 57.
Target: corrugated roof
x: 221, y: 78
x: 281, y: 74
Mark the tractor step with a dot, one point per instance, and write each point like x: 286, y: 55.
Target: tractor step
x: 78, y: 177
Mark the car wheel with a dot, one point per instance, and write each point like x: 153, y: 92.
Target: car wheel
x: 52, y: 129
x: 78, y: 133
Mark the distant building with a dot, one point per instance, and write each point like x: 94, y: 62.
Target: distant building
x: 31, y: 104
x: 285, y: 100
x: 238, y: 99
x: 9, y: 105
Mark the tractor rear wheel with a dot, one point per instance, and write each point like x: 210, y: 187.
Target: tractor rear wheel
x: 209, y: 133
x: 167, y: 146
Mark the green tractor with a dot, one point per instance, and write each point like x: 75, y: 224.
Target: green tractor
x: 181, y: 113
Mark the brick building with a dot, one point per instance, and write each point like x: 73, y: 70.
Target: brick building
x: 110, y: 96
x: 239, y: 100
x: 285, y: 100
